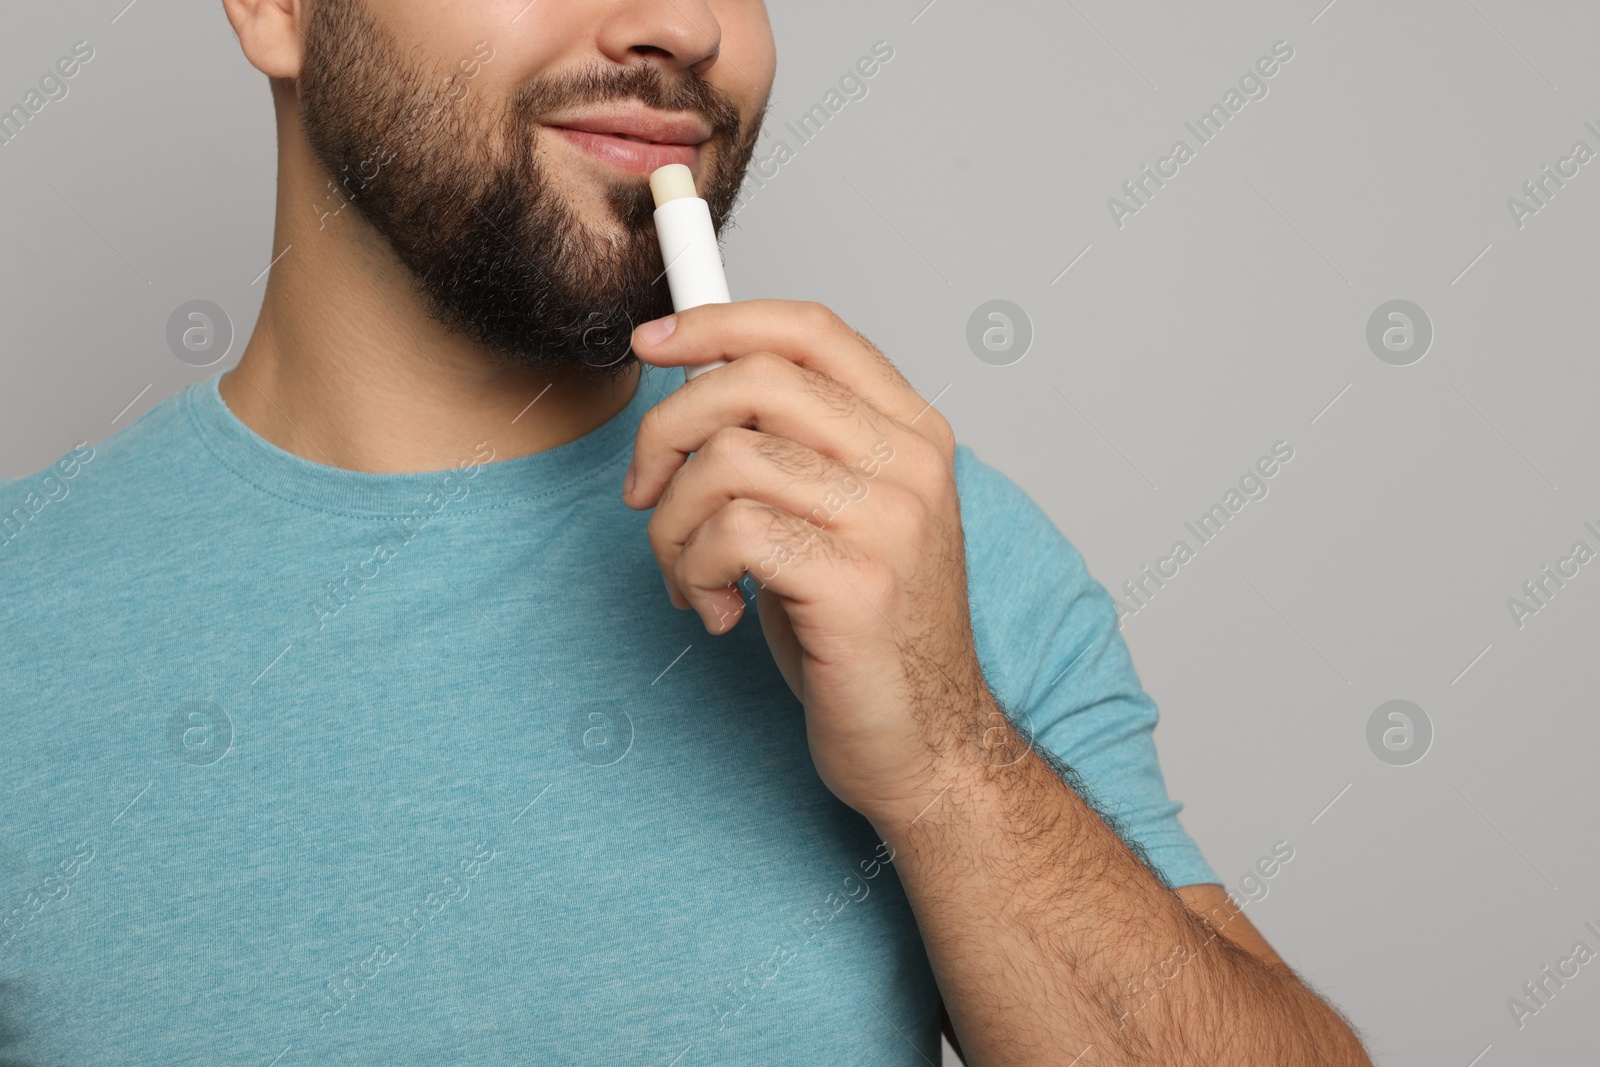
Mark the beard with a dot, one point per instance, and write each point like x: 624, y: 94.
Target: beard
x: 452, y: 182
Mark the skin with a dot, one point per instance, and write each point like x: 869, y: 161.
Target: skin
x: 346, y: 366
x: 1043, y: 928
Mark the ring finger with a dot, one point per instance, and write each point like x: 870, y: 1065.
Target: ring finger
x: 739, y: 462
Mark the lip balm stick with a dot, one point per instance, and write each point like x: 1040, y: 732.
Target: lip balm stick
x: 688, y: 246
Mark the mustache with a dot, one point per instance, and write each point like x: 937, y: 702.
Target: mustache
x: 602, y: 84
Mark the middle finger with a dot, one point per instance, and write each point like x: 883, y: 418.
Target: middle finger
x: 761, y: 391
x: 756, y: 466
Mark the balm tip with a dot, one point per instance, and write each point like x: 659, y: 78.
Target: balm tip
x: 672, y: 182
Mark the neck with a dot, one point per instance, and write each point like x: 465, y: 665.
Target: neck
x: 346, y: 368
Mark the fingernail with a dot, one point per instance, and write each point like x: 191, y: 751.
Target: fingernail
x: 628, y: 480
x: 657, y: 330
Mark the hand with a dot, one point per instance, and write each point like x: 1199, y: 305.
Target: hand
x: 817, y: 469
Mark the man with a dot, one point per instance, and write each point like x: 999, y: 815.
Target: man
x: 350, y: 721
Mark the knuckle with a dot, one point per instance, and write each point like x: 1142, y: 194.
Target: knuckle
x: 688, y: 550
x: 655, y: 528
x: 650, y: 427
x: 943, y: 434
x: 903, y: 513
x: 728, y: 442
x: 877, y: 582
x: 766, y: 366
x: 745, y: 520
x: 921, y: 458
x: 818, y: 317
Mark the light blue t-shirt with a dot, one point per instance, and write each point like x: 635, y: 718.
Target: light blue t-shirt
x: 301, y: 765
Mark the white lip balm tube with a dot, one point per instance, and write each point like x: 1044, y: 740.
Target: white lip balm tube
x: 688, y: 246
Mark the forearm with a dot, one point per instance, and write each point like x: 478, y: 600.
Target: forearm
x: 1049, y: 937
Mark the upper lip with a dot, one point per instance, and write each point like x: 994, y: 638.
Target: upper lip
x: 643, y: 124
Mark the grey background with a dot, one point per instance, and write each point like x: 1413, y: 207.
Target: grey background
x: 1228, y: 314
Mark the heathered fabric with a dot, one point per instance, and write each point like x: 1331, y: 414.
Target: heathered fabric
x: 304, y: 765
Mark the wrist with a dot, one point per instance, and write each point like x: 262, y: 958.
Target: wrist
x: 990, y: 801
x: 964, y: 774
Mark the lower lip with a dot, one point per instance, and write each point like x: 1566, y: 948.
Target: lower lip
x: 637, y: 156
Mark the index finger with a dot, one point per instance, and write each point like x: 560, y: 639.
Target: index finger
x: 802, y: 331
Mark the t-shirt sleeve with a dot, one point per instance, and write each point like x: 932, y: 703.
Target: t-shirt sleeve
x: 1053, y: 655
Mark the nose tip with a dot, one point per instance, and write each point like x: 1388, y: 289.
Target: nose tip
x: 679, y: 33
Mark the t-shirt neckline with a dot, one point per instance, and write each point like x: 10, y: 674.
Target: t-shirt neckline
x: 488, y: 482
